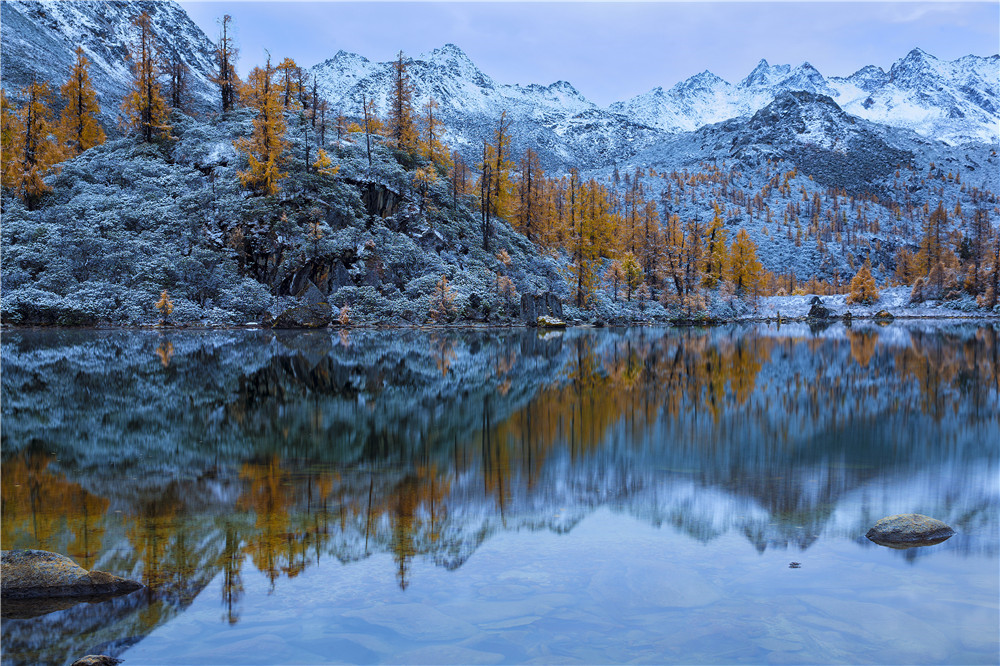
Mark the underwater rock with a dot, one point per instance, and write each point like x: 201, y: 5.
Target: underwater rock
x: 33, y: 574
x: 97, y: 660
x: 908, y: 530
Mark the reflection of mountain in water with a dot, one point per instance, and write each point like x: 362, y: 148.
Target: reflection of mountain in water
x: 176, y: 458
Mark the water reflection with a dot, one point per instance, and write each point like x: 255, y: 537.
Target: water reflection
x: 176, y: 458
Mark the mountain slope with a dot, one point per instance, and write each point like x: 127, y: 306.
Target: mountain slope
x: 953, y: 101
x: 556, y: 120
x: 39, y: 39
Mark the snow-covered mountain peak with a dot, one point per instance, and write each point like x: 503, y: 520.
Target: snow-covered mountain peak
x: 447, y: 54
x: 764, y: 75
x: 953, y: 101
x: 703, y: 80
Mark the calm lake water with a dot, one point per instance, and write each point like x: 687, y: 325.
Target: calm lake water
x: 508, y: 496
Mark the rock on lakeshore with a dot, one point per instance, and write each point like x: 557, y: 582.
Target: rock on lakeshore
x: 545, y: 321
x: 907, y: 530
x: 35, y: 574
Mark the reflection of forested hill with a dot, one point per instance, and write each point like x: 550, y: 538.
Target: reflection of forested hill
x: 176, y: 458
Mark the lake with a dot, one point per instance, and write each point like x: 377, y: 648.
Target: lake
x: 651, y: 495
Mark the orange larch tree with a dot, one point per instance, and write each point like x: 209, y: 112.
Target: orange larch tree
x: 78, y: 126
x: 144, y: 106
x: 264, y: 147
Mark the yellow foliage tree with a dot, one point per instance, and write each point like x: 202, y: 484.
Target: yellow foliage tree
x: 145, y: 109
x: 443, y: 302
x: 78, y: 126
x: 35, y: 151
x: 11, y: 142
x: 324, y: 165
x: 633, y: 273
x: 264, y: 147
x: 402, y: 128
x: 431, y: 147
x: 863, y: 288
x: 716, y: 250
x: 745, y: 270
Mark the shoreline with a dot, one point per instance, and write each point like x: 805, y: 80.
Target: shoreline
x: 674, y: 323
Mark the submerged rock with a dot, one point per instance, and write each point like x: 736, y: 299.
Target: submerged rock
x: 907, y: 530
x: 97, y: 660
x: 33, y: 574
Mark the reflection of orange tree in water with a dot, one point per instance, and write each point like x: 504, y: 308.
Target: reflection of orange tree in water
x: 630, y: 381
x: 287, y: 516
x: 40, y: 509
x: 293, y: 519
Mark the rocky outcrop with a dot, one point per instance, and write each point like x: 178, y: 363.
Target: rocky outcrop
x: 35, y: 574
x: 317, y: 315
x: 534, y: 306
x: 883, y: 315
x: 818, y: 311
x: 907, y: 530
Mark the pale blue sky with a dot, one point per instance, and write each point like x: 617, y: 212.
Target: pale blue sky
x: 612, y: 51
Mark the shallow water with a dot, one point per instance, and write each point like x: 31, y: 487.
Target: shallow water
x: 505, y: 496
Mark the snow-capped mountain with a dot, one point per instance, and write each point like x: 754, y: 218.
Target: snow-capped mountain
x: 39, y: 39
x: 556, y: 120
x: 953, y: 101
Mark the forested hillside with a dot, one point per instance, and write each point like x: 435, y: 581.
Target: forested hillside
x: 274, y: 205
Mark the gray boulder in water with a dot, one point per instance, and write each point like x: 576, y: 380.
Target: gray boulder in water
x: 36, y: 574
x: 907, y: 530
x: 97, y: 660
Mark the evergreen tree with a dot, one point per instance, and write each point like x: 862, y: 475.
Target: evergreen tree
x: 78, y: 126
x: 177, y: 77
x: 144, y: 107
x: 226, y: 55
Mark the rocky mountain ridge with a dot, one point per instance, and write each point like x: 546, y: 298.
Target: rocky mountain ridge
x: 953, y: 101
x: 39, y: 39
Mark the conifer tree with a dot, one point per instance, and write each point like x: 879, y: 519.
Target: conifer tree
x: 716, y: 250
x: 402, y: 128
x: 265, y: 146
x: 39, y: 150
x: 431, y: 147
x: 11, y: 142
x: 177, y: 77
x: 863, y: 288
x: 633, y: 273
x: 287, y: 72
x: 494, y: 179
x: 226, y: 55
x: 78, y: 126
x: 745, y: 270
x: 529, y: 194
x: 932, y: 243
x: 144, y: 107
